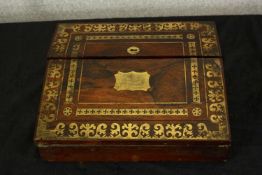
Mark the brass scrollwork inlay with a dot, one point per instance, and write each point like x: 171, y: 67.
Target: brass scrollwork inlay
x: 48, y: 107
x: 216, y: 97
x: 126, y: 131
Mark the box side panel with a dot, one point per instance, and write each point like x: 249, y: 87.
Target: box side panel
x: 135, y: 153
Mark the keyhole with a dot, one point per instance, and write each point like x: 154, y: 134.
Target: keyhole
x: 133, y: 50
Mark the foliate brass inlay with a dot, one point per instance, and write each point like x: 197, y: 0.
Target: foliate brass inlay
x: 130, y: 130
x: 133, y: 50
x: 132, y: 81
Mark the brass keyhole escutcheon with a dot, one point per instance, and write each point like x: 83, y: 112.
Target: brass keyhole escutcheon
x: 133, y: 50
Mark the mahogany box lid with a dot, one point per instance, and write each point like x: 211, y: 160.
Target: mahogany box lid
x: 134, y: 91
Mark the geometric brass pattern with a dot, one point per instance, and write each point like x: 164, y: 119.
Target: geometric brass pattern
x: 71, y: 81
x: 196, y: 111
x: 132, y: 111
x: 192, y: 48
x: 129, y: 37
x: 67, y: 111
x: 195, y: 80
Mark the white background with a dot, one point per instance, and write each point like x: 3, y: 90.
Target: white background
x: 46, y: 10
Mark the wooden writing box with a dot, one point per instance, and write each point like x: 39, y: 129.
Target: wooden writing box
x: 140, y: 91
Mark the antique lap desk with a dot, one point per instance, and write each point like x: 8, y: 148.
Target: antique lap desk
x: 136, y: 91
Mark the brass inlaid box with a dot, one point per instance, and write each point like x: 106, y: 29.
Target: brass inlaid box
x: 136, y: 91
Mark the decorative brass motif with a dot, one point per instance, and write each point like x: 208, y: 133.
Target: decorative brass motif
x: 60, y: 42
x: 216, y: 99
x: 132, y: 131
x: 133, y: 27
x: 48, y: 109
x: 169, y: 26
x: 67, y: 111
x: 132, y: 111
x: 75, y: 49
x: 49, y: 101
x: 196, y: 111
x: 190, y: 36
x: 209, y: 41
x: 126, y: 131
x: 132, y: 81
x: 195, y: 80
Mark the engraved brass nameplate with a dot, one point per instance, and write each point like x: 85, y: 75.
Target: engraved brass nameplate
x: 132, y: 81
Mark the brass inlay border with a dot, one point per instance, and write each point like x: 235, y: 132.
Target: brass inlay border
x: 130, y: 131
x: 192, y: 48
x: 132, y: 111
x: 123, y: 37
x: 71, y: 81
x: 49, y: 101
x: 215, y: 92
x: 195, y: 80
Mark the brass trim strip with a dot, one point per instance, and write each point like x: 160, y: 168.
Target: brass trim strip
x: 132, y: 111
x: 71, y: 81
x: 195, y: 80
